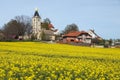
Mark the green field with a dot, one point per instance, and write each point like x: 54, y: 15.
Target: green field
x: 43, y: 61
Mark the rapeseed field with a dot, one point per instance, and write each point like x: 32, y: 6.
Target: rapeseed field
x: 43, y: 61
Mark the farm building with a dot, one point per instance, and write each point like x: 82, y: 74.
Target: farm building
x: 77, y: 37
x: 80, y: 37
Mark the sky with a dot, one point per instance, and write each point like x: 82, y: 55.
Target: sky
x: 101, y: 15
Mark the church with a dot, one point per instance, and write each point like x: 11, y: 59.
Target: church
x: 36, y: 26
x: 38, y: 32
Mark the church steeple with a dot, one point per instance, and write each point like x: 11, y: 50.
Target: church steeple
x: 36, y: 14
x: 36, y: 25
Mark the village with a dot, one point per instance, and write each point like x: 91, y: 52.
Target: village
x: 60, y: 40
x: 45, y: 31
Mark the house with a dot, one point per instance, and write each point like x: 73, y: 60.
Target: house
x: 48, y: 35
x: 94, y: 35
x: 77, y: 37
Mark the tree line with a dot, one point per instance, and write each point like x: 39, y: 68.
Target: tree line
x: 22, y: 25
x: 16, y: 27
x: 19, y: 26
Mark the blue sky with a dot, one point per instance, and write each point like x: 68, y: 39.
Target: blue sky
x: 101, y: 15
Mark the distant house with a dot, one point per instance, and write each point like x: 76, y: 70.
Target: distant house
x: 94, y: 35
x: 48, y: 35
x: 77, y: 37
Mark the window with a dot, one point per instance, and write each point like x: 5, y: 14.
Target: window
x: 72, y: 40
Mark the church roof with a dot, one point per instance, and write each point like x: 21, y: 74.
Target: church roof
x: 36, y: 13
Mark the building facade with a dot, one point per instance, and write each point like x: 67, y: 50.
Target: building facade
x: 94, y: 35
x: 36, y: 26
x: 77, y: 37
x: 39, y: 32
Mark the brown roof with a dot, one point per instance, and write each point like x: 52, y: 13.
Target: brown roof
x: 75, y: 33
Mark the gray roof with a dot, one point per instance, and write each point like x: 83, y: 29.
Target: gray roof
x: 48, y: 32
x: 36, y: 14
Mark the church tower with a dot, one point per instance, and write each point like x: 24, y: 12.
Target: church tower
x: 36, y: 26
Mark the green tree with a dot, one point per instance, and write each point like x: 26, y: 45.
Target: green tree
x: 70, y: 28
x: 47, y: 20
x: 45, y: 26
x: 46, y: 23
x: 110, y: 42
x: 43, y: 36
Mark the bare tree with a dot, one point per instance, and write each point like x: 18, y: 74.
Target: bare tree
x: 17, y: 27
x: 1, y: 35
x: 13, y: 29
x: 26, y: 22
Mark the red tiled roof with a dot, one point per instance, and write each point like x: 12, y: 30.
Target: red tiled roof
x: 75, y: 33
x: 50, y: 26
